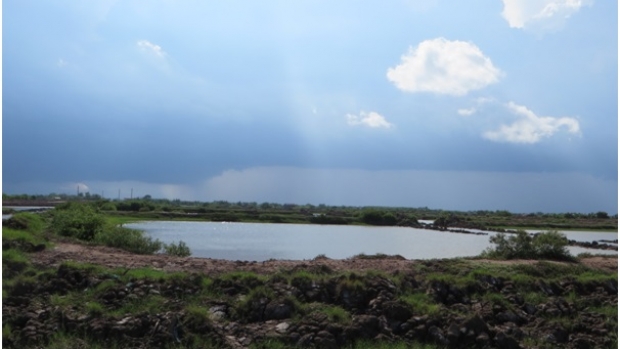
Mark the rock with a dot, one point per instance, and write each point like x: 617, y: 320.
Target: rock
x: 453, y: 333
x: 305, y: 340
x: 278, y: 311
x: 396, y: 311
x: 217, y: 312
x: 482, y: 339
x: 475, y: 324
x: 325, y: 339
x: 509, y: 316
x: 282, y: 327
x: 369, y: 323
x: 436, y: 333
x: 560, y: 335
x: 506, y: 342
x: 583, y: 343
x: 529, y: 309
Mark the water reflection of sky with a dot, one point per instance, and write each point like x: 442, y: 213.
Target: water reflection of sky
x: 262, y: 241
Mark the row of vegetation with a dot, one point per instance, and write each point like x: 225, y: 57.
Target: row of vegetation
x: 151, y: 208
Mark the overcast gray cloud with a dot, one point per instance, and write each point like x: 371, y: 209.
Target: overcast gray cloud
x: 165, y: 96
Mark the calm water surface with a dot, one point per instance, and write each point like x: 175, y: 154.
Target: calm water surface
x: 262, y: 241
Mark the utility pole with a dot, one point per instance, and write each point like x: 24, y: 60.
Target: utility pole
x: 119, y: 195
x: 131, y: 197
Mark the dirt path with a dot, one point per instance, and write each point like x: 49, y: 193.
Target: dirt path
x: 115, y: 258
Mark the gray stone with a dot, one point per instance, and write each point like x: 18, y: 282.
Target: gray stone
x: 282, y: 327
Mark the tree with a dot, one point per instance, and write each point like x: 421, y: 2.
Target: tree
x: 602, y: 215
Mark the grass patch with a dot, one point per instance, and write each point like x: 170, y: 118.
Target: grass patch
x: 22, y: 236
x: 496, y: 299
x: 128, y: 239
x: 14, y: 262
x: 179, y: 250
x: 334, y: 313
x: 31, y: 222
x: 421, y: 303
x: 596, y: 277
x: 610, y: 311
x: 94, y: 308
x: 197, y: 313
x: 535, y: 298
x: 151, y: 304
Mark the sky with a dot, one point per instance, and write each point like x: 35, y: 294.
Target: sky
x: 456, y: 105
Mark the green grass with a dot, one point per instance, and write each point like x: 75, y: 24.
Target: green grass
x: 128, y: 239
x: 197, y: 313
x: 596, y: 276
x: 9, y: 234
x: 94, y: 308
x: 247, y: 279
x: 611, y: 311
x: 14, y: 256
x: 496, y: 299
x: 535, y: 298
x: 334, y: 313
x: 421, y: 303
x: 152, y: 304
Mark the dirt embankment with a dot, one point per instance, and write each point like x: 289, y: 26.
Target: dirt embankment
x: 115, y: 258
x: 328, y: 310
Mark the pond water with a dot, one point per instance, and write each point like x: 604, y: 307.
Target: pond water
x: 263, y: 241
x: 25, y: 208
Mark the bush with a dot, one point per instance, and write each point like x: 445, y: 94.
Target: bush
x: 128, y: 239
x: 547, y: 245
x: 179, y: 250
x: 375, y: 217
x: 79, y: 221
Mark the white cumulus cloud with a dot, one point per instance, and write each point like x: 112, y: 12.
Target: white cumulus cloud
x: 540, y: 15
x: 445, y: 67
x: 531, y: 128
x: 372, y: 119
x: 466, y: 112
x: 480, y: 101
x: 150, y: 47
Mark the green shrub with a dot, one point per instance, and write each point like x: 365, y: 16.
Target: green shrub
x: 78, y: 221
x: 128, y: 239
x: 548, y: 245
x: 375, y: 217
x: 179, y: 250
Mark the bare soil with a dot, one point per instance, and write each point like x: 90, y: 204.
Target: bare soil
x: 116, y: 258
